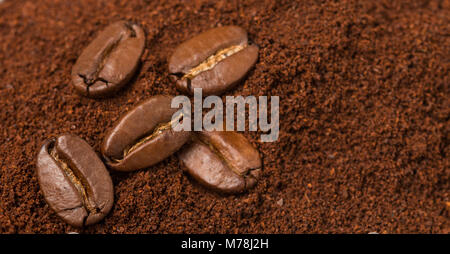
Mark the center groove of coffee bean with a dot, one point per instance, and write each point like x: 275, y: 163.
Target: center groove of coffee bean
x: 89, y: 81
x: 158, y: 130
x: 213, y: 60
x: 220, y: 155
x: 129, y: 26
x: 79, y: 184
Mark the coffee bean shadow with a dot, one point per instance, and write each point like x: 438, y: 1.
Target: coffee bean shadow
x: 119, y: 176
x: 208, y: 191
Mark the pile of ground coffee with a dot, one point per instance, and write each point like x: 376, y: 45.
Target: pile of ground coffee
x: 364, y: 115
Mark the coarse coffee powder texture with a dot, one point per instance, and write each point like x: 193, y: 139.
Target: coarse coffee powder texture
x: 364, y: 115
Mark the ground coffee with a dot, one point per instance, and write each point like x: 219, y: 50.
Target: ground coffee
x: 364, y: 115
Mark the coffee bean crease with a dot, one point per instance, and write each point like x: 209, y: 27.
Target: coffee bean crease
x: 159, y: 129
x: 81, y: 186
x: 213, y: 60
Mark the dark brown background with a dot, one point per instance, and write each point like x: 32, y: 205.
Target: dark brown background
x: 364, y: 94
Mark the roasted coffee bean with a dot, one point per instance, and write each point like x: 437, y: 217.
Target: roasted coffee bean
x: 222, y: 160
x: 109, y: 61
x: 144, y: 136
x: 74, y: 181
x: 214, y: 60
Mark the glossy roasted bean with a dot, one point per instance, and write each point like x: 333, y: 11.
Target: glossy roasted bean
x: 144, y: 136
x: 222, y: 160
x: 215, y: 60
x: 74, y: 181
x: 109, y: 61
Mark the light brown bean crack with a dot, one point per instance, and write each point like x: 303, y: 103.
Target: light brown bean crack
x: 79, y: 184
x: 158, y: 130
x: 213, y: 60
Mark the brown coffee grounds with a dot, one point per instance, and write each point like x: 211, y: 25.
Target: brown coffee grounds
x: 364, y: 115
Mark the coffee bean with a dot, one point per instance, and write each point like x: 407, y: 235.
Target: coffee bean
x: 109, y: 61
x: 74, y: 180
x: 222, y: 160
x: 144, y: 136
x: 214, y: 60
